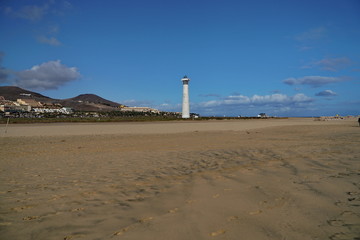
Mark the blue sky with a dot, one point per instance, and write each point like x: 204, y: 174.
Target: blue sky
x: 284, y: 58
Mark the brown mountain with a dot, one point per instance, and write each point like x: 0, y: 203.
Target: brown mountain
x: 12, y: 93
x: 90, y: 102
x: 92, y: 98
x: 83, y: 102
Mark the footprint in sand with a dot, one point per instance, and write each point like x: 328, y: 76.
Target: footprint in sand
x: 128, y: 228
x: 347, y: 213
x: 340, y: 204
x: 29, y: 218
x: 77, y: 209
x: 218, y: 232
x: 216, y: 196
x: 73, y: 236
x: 190, y: 201
x: 143, y: 220
x: 233, y: 218
x: 338, y: 236
x: 19, y: 209
x: 122, y: 231
x: 255, y: 212
x: 335, y: 222
x: 173, y: 210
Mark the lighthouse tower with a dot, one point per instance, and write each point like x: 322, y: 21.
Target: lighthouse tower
x: 185, y: 103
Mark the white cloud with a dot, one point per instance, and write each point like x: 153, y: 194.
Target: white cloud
x: 244, y: 105
x: 312, y: 34
x: 300, y: 98
x: 3, y: 71
x: 334, y: 64
x: 67, y: 5
x: 49, y: 40
x: 331, y: 64
x: 314, y: 81
x: 326, y: 93
x: 307, y: 39
x: 48, y: 75
x: 305, y: 48
x: 29, y: 12
x: 37, y: 12
x: 169, y: 107
x: 136, y: 103
x: 258, y: 100
x: 209, y: 95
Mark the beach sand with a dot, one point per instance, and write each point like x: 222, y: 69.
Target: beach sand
x: 246, y: 179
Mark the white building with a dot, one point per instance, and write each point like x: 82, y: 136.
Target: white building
x: 63, y: 110
x: 139, y: 109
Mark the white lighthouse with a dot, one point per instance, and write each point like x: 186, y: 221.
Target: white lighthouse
x: 185, y: 103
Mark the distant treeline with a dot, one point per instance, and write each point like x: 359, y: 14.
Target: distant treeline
x: 115, y: 116
x: 112, y: 117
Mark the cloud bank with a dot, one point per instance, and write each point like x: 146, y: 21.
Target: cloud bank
x: 48, y: 75
x: 4, y: 73
x: 308, y: 38
x: 29, y: 12
x: 331, y: 64
x: 334, y: 64
x: 235, y: 105
x: 326, y: 93
x: 136, y: 103
x: 313, y: 81
x: 37, y: 12
x: 312, y: 34
x: 210, y: 95
x: 49, y: 40
x: 274, y: 99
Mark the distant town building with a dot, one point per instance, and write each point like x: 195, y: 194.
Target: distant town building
x: 139, y: 109
x: 10, y: 106
x: 27, y: 105
x: 262, y: 115
x: 54, y: 109
x: 31, y: 102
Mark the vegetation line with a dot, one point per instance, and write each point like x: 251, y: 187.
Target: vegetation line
x: 116, y: 119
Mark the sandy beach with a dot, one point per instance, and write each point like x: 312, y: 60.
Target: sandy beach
x: 239, y: 179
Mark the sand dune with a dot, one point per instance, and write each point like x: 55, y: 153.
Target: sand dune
x: 291, y: 179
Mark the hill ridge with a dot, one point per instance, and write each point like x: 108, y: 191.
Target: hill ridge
x: 82, y: 102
